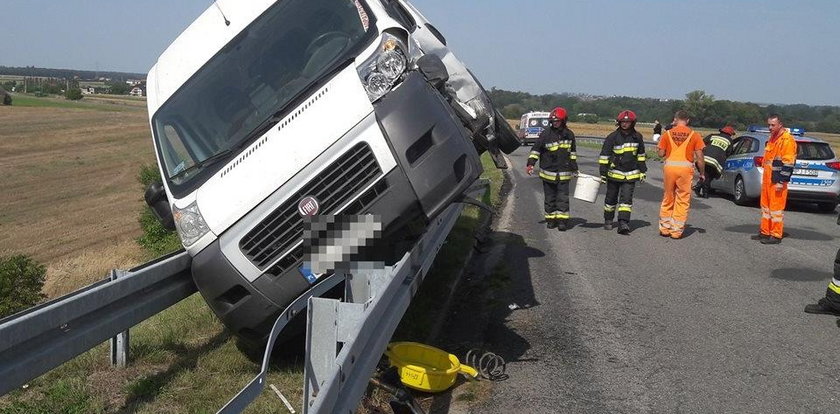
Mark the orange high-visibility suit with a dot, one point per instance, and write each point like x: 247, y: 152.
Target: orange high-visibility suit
x: 679, y: 144
x: 779, y: 158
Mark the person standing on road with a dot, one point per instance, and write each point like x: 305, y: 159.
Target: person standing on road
x: 555, y: 149
x: 657, y: 131
x: 718, y: 147
x: 681, y: 147
x: 779, y: 159
x: 830, y: 304
x: 622, y: 163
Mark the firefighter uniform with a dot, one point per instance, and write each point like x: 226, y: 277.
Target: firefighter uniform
x: 622, y: 163
x: 779, y: 158
x: 714, y: 154
x: 555, y: 149
x: 679, y: 143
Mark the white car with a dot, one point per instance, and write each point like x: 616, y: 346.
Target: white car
x: 263, y: 111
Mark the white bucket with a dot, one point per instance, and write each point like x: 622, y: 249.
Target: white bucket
x: 587, y: 187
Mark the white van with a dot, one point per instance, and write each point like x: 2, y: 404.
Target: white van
x: 342, y: 106
x: 531, y: 125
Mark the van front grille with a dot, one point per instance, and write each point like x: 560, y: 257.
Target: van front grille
x: 275, y: 235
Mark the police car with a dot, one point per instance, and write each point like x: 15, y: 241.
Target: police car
x: 531, y: 125
x: 816, y: 174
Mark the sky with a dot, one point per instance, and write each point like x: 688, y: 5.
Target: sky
x: 758, y: 51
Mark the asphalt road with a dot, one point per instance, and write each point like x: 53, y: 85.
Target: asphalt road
x: 626, y: 324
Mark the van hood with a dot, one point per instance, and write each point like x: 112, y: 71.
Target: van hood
x: 270, y: 161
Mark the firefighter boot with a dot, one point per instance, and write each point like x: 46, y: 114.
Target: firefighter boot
x: 623, y: 227
x: 551, y: 223
x: 562, y: 224
x: 607, y: 224
x: 822, y: 307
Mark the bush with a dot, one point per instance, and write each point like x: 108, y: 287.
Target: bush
x: 156, y: 239
x: 73, y: 94
x: 21, y: 280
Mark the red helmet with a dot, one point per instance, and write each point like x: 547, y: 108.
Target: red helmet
x: 728, y: 130
x: 626, y: 115
x: 558, y: 114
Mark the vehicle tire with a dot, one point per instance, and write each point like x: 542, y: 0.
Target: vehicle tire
x: 740, y: 192
x: 827, y: 207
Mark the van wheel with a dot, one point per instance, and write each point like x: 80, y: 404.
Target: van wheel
x: 826, y: 207
x: 740, y: 192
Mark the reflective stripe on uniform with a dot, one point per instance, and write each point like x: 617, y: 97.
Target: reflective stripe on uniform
x: 671, y: 163
x: 553, y: 176
x: 641, y: 158
x: 777, y: 215
x: 626, y: 147
x: 572, y: 155
x: 552, y: 146
x: 834, y: 285
x: 604, y: 159
x: 535, y: 155
x: 625, y: 207
x: 713, y: 162
x: 609, y: 208
x: 622, y: 175
x: 563, y: 215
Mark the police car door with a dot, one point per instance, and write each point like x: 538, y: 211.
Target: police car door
x: 727, y: 179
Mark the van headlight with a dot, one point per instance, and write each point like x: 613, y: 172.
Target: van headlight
x: 190, y: 224
x: 384, y: 69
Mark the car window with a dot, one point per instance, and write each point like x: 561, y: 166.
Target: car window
x: 754, y: 146
x: 813, y: 151
x: 743, y: 146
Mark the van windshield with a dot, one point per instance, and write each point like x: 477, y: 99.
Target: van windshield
x: 251, y: 81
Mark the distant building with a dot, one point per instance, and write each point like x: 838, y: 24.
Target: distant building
x: 138, y: 90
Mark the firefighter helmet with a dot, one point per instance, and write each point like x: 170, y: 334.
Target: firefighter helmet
x: 626, y: 115
x: 558, y: 117
x: 728, y: 130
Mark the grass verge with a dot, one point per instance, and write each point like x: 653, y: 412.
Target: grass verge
x: 50, y: 102
x: 183, y: 360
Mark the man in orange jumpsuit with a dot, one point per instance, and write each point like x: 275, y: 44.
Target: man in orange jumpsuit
x: 681, y: 147
x: 779, y: 158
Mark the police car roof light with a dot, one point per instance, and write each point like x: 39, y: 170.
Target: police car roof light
x: 799, y: 131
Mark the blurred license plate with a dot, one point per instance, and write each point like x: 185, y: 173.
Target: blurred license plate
x: 801, y: 171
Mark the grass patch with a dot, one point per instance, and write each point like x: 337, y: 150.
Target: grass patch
x: 50, y: 102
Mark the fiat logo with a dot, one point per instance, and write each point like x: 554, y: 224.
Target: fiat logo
x: 308, y: 206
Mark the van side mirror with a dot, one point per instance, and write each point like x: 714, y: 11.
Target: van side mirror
x: 433, y: 70
x: 156, y: 199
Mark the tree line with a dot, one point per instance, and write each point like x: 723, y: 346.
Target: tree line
x: 705, y: 110
x: 68, y: 73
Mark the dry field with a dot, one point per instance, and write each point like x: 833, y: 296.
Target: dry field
x: 69, y: 196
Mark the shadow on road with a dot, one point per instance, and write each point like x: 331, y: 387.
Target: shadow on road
x: 800, y: 275
x: 498, y: 283
x: 793, y: 232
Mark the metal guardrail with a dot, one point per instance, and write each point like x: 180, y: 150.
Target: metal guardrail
x: 362, y: 325
x: 41, y: 338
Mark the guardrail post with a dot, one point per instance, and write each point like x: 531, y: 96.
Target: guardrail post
x: 119, y: 343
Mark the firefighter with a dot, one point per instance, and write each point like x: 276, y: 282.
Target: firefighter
x: 622, y: 163
x: 681, y: 147
x: 830, y: 304
x: 718, y: 147
x: 555, y: 149
x: 779, y: 158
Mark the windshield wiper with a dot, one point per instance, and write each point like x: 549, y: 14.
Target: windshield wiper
x: 204, y: 163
